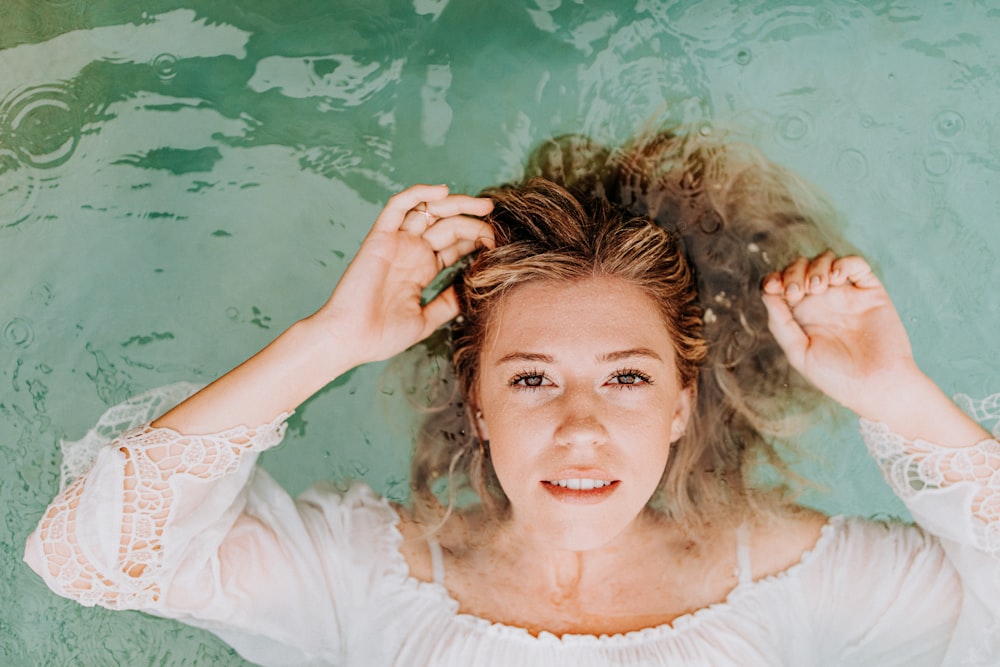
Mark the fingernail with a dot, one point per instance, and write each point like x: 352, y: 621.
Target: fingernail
x: 793, y: 290
x: 815, y: 282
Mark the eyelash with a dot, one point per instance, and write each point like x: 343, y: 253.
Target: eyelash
x: 516, y: 381
x: 640, y: 377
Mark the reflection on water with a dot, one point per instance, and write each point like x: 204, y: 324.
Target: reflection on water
x: 180, y: 180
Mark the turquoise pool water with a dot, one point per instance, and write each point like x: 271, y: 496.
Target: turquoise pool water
x: 180, y: 181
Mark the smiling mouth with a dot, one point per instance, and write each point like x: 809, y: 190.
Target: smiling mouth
x: 581, y: 484
x: 580, y: 490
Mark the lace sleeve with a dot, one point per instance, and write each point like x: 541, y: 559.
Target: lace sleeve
x: 102, y: 540
x: 917, y: 469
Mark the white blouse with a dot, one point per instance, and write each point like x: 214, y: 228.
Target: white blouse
x: 188, y: 527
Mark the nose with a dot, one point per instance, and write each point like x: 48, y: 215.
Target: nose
x: 580, y: 421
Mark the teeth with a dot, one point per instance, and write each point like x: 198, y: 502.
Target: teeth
x: 580, y: 484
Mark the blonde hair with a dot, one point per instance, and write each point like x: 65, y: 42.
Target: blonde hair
x: 695, y: 222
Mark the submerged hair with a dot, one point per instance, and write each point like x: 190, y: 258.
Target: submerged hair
x: 696, y: 223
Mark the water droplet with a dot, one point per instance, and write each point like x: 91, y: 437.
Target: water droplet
x: 867, y: 121
x: 824, y: 18
x: 794, y: 126
x: 852, y: 165
x: 892, y: 76
x: 705, y: 130
x: 937, y: 161
x: 743, y: 56
x: 948, y: 123
x: 19, y: 332
x: 165, y: 65
x: 43, y: 125
x: 233, y: 313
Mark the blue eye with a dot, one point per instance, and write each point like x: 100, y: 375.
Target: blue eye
x: 532, y: 380
x: 629, y: 379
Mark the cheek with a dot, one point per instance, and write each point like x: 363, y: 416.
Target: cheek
x: 513, y: 446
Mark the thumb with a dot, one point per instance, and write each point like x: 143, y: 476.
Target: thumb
x: 441, y: 309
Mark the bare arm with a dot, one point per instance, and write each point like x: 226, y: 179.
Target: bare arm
x: 116, y: 534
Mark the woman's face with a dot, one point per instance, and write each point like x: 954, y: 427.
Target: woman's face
x: 580, y: 401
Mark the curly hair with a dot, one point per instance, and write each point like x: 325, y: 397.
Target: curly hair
x: 694, y: 221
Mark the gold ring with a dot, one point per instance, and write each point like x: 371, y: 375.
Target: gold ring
x: 429, y: 217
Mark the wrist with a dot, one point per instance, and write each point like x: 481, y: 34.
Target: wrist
x: 912, y: 405
x: 323, y: 349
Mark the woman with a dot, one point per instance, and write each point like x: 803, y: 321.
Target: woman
x: 612, y: 401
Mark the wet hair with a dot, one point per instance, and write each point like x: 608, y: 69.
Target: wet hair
x: 694, y: 221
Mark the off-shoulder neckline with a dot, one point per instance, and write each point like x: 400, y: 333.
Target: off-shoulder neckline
x: 685, y: 622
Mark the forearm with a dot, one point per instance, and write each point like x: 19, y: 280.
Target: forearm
x: 293, y: 367
x: 913, y: 406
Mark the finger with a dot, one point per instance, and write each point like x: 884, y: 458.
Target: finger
x: 817, y: 276
x: 418, y: 219
x: 793, y: 278
x: 854, y: 270
x: 456, y: 251
x: 441, y: 309
x: 448, y: 231
x: 392, y: 216
x: 460, y: 205
x: 785, y: 329
x: 772, y: 283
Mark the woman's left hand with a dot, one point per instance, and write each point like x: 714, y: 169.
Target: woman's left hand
x: 839, y: 328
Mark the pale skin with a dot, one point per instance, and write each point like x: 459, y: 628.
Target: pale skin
x: 554, y: 406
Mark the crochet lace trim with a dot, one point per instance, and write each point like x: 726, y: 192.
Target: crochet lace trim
x: 150, y: 458
x: 916, y: 467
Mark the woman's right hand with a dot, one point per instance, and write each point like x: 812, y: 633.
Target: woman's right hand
x: 376, y: 307
x: 374, y: 313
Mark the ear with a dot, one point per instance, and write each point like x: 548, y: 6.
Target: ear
x: 480, y: 423
x: 682, y: 413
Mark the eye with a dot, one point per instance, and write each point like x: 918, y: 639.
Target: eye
x: 628, y: 378
x: 530, y: 380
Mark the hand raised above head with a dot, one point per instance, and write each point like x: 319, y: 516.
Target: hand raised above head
x: 833, y: 318
x: 377, y: 303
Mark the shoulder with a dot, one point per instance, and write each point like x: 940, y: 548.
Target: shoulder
x: 787, y: 533
x: 781, y: 538
x: 456, y: 534
x: 841, y: 544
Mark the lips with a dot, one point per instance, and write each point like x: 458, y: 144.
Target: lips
x: 580, y: 490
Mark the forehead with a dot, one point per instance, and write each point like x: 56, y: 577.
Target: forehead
x: 591, y: 316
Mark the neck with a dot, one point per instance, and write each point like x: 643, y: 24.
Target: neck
x: 564, y: 574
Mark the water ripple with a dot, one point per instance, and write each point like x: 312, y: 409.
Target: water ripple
x: 165, y: 66
x: 938, y: 161
x: 41, y: 124
x: 19, y: 332
x: 948, y: 124
x: 793, y: 127
x: 852, y: 165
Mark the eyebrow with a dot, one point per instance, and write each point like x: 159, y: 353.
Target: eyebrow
x: 618, y: 355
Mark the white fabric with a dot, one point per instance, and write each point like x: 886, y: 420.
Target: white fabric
x: 320, y: 580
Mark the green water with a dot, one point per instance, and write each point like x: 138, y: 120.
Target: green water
x: 180, y: 181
